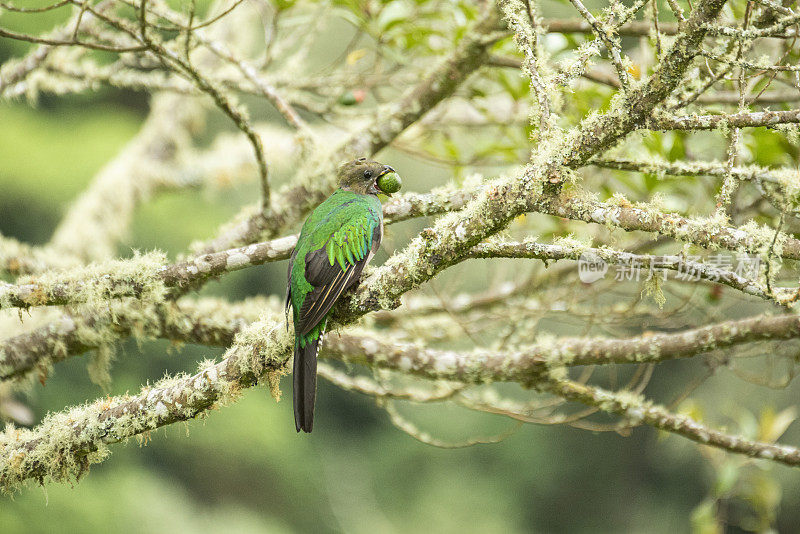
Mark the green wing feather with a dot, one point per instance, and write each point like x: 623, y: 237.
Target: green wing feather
x: 352, y: 242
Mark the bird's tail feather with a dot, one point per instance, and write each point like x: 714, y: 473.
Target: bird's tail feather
x: 305, y: 383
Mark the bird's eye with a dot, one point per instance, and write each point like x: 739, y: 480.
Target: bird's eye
x: 367, y: 174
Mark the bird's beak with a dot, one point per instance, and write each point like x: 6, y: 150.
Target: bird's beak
x: 386, y: 170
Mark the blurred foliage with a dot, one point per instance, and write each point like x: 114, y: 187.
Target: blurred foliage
x: 245, y: 469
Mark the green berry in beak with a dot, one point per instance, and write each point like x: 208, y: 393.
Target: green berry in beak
x: 389, y: 183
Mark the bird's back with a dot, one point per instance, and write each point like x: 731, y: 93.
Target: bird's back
x: 342, y: 208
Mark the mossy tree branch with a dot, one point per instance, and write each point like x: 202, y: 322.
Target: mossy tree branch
x: 61, y: 452
x: 149, y: 276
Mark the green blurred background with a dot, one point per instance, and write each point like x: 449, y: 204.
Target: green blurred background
x: 244, y: 469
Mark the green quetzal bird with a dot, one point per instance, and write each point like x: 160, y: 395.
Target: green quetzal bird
x: 337, y: 241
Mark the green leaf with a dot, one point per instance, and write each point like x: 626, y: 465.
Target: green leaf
x: 727, y: 476
x: 704, y: 518
x: 394, y: 13
x: 772, y: 425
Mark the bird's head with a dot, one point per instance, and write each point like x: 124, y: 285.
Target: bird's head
x: 361, y: 176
